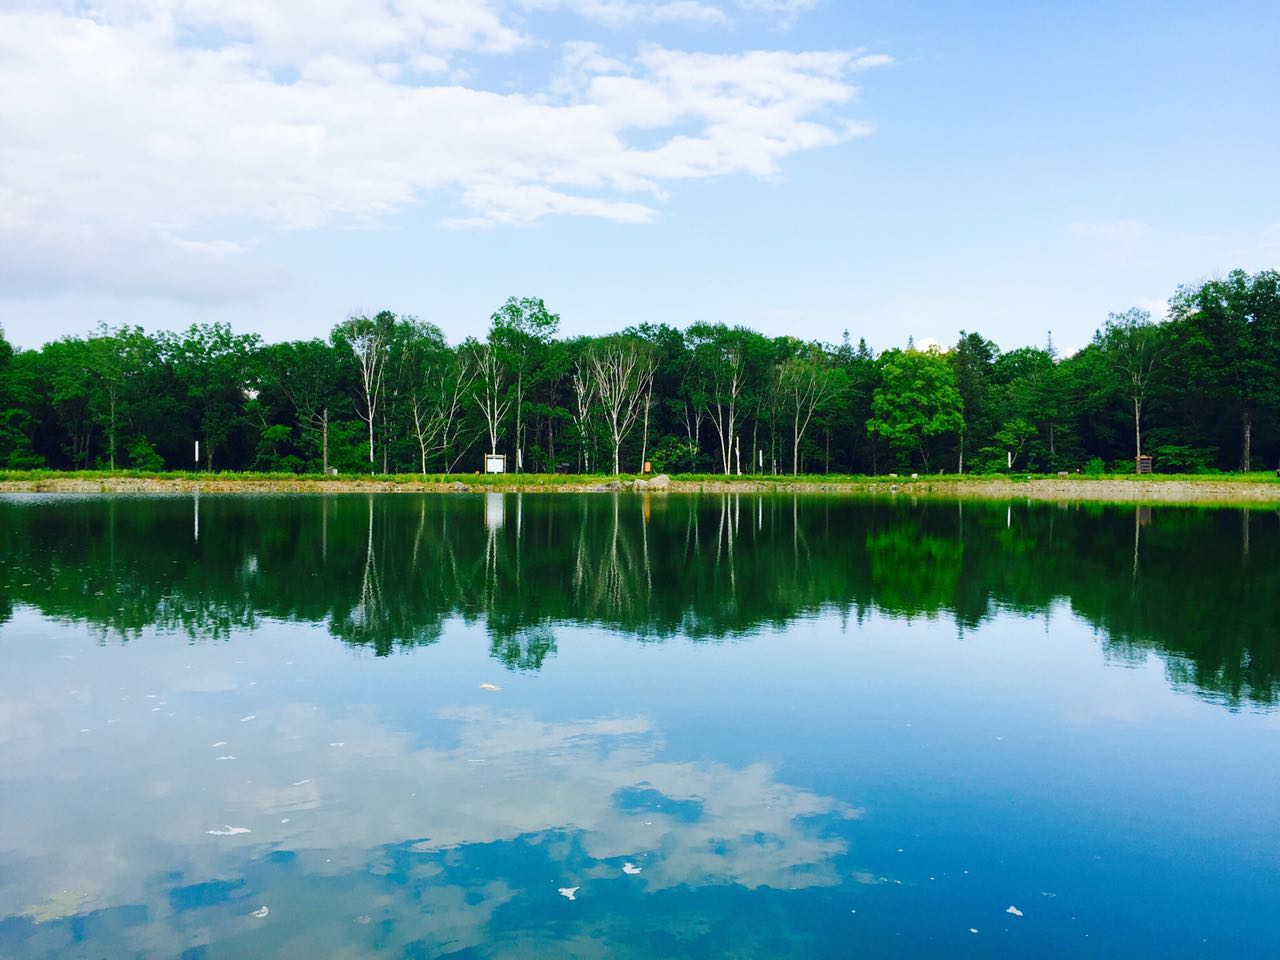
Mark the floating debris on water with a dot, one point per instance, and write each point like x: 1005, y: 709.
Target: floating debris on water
x: 1015, y: 911
x: 220, y: 743
x: 973, y: 929
x: 630, y: 869
x: 227, y: 757
x: 489, y: 686
x: 260, y: 912
x: 570, y: 893
x: 251, y: 716
x: 298, y: 783
x: 229, y: 831
x: 340, y: 743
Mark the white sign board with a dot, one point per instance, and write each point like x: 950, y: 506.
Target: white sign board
x: 495, y: 463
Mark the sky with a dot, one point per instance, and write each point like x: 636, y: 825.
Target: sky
x: 891, y: 168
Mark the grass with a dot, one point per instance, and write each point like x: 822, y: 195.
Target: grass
x: 560, y: 480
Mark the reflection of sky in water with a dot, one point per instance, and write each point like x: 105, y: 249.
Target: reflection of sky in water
x: 815, y: 791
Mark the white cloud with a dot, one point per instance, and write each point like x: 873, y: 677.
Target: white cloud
x: 620, y: 13
x: 869, y: 61
x: 153, y: 137
x: 786, y: 11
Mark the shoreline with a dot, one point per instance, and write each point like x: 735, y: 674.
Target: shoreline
x: 1175, y: 490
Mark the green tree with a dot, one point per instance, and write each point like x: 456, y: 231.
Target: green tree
x: 973, y: 359
x: 436, y: 381
x: 621, y: 370
x: 1136, y: 351
x: 522, y: 328
x: 116, y: 357
x: 916, y: 402
x: 369, y: 341
x: 307, y: 373
x: 1231, y: 332
x: 214, y: 369
x: 17, y: 400
x: 143, y: 456
x: 807, y: 383
x: 1027, y: 389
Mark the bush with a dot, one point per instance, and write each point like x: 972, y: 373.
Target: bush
x: 143, y: 456
x: 1180, y: 458
x: 1095, y: 467
x: 672, y: 454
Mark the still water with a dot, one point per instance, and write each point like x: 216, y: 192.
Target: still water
x: 616, y: 726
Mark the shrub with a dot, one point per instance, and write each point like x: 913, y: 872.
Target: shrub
x: 1181, y: 458
x: 143, y: 456
x: 1095, y: 467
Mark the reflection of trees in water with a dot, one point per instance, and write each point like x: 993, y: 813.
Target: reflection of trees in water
x: 1195, y: 586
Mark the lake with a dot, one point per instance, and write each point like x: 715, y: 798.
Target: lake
x: 624, y: 726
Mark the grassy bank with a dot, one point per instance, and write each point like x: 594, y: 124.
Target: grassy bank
x: 1260, y: 488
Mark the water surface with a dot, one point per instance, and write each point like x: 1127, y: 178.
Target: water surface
x: 731, y: 726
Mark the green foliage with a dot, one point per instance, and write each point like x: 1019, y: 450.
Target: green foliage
x: 143, y: 456
x: 391, y: 395
x: 1227, y: 334
x: 672, y: 454
x: 1095, y: 467
x: 1181, y: 458
x: 917, y: 401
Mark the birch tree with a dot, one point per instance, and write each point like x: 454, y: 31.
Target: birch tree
x: 722, y: 364
x: 583, y: 397
x: 522, y: 328
x: 370, y: 342
x: 806, y: 383
x: 1132, y: 346
x: 622, y: 370
x: 493, y: 391
x: 439, y: 387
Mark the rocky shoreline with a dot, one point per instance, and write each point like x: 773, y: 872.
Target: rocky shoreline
x: 1069, y: 489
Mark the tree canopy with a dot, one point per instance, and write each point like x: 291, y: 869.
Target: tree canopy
x: 1198, y: 391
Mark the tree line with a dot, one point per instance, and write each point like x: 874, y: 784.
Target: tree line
x: 1198, y: 391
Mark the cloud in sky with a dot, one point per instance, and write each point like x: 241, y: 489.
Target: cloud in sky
x: 619, y: 13
x: 178, y: 129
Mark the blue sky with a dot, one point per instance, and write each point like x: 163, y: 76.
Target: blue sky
x: 799, y: 166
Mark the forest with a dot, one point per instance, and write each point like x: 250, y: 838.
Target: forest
x: 1198, y: 392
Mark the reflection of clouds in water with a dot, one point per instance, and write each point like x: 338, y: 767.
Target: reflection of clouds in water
x: 119, y: 816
